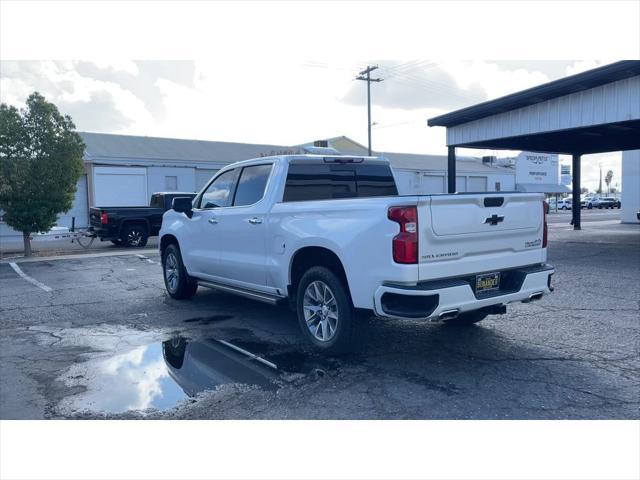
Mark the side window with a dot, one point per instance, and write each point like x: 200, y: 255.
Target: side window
x: 220, y: 192
x: 251, y: 185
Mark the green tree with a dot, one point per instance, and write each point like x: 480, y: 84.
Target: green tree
x: 607, y: 179
x: 40, y: 164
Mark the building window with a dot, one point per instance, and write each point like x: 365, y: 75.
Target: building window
x: 497, y: 186
x: 171, y: 183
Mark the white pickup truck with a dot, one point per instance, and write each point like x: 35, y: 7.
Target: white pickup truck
x: 331, y: 235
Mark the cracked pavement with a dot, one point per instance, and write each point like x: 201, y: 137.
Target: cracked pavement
x: 572, y: 355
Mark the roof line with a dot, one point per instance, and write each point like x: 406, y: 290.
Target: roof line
x: 540, y: 93
x: 182, y: 139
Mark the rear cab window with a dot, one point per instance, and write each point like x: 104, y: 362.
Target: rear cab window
x: 311, y: 180
x: 156, y: 201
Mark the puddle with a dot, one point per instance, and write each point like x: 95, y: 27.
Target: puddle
x: 160, y: 375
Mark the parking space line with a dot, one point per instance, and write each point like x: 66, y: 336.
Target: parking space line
x: 139, y: 255
x: 29, y: 279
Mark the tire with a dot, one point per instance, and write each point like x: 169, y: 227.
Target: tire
x: 466, y: 319
x: 174, y: 350
x: 117, y: 242
x: 135, y: 235
x: 331, y: 328
x: 178, y: 283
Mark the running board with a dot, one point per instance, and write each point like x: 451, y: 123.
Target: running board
x: 261, y: 297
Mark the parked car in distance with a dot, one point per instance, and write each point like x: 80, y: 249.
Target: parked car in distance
x: 587, y: 201
x: 608, y: 202
x: 561, y: 204
x: 330, y: 236
x: 132, y: 226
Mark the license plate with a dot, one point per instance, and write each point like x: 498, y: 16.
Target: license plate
x: 488, y: 282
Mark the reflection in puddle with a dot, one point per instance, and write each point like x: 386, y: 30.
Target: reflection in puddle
x: 160, y: 375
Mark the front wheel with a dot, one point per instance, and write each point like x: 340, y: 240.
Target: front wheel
x: 325, y: 314
x: 178, y: 283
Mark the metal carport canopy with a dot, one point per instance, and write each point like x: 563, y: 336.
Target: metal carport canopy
x: 591, y: 112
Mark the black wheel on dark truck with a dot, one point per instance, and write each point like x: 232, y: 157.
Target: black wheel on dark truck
x: 135, y: 235
x: 325, y: 313
x: 178, y: 283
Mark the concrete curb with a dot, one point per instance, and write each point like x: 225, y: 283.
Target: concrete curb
x: 81, y: 255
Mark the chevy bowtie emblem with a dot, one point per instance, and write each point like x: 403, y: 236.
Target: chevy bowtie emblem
x: 494, y: 219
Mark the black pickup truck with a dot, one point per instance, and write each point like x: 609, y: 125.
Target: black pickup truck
x: 132, y: 226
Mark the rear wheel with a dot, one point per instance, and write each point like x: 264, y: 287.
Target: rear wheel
x: 135, y: 235
x: 178, y: 283
x: 467, y: 318
x: 325, y: 314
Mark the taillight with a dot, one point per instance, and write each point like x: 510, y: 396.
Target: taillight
x: 103, y: 218
x: 405, y: 244
x: 545, y: 209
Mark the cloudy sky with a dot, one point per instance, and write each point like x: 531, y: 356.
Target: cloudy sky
x: 283, y: 102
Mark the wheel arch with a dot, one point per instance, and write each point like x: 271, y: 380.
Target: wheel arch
x: 134, y: 221
x: 165, y: 241
x: 312, y: 256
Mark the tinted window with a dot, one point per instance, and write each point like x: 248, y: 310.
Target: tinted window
x: 321, y: 181
x: 156, y: 201
x: 219, y: 193
x: 375, y: 181
x: 251, y: 185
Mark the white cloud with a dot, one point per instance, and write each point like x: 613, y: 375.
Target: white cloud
x: 93, y: 104
x: 584, y: 65
x: 117, y: 66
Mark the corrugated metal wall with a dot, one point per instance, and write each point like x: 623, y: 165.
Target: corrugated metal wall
x: 615, y: 102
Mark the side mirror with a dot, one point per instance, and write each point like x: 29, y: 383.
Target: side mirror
x: 183, y: 205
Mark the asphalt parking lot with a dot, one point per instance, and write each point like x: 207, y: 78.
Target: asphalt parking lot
x: 97, y: 337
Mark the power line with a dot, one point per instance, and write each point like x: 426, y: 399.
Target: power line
x: 361, y: 76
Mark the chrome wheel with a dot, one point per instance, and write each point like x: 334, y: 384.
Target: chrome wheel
x: 171, y: 272
x: 320, y: 310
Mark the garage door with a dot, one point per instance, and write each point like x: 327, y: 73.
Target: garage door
x: 477, y: 184
x: 432, y: 184
x: 461, y: 184
x: 120, y: 187
x: 203, y: 175
x: 79, y: 209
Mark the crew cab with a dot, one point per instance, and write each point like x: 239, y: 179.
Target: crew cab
x: 331, y: 235
x: 132, y: 226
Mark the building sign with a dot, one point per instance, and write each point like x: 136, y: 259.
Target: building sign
x: 537, y: 168
x: 565, y: 174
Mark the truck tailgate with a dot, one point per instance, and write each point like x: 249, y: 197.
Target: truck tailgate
x: 472, y: 233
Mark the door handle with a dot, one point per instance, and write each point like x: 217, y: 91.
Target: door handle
x: 255, y: 221
x: 213, y: 221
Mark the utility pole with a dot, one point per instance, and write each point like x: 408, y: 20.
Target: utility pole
x: 366, y: 76
x: 600, y: 184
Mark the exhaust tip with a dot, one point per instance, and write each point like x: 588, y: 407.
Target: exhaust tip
x: 533, y: 297
x: 449, y: 314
